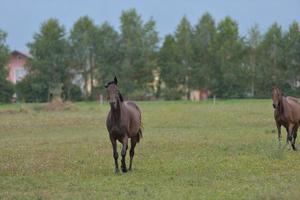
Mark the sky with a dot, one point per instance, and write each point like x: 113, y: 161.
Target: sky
x: 21, y: 19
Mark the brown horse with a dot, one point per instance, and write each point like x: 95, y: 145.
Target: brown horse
x: 123, y: 122
x: 287, y: 114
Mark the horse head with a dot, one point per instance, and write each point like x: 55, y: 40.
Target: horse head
x: 276, y: 96
x: 113, y: 94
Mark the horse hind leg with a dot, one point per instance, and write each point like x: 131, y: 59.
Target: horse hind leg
x: 294, y: 138
x: 287, y: 136
x: 131, y: 152
x: 290, y: 132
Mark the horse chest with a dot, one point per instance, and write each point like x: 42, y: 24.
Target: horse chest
x: 281, y: 119
x: 117, y: 130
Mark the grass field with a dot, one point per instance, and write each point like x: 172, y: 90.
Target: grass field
x: 189, y: 151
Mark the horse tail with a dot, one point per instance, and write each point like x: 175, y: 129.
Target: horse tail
x: 140, y: 133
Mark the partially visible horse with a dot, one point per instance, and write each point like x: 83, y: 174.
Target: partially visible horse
x: 123, y: 122
x: 287, y: 114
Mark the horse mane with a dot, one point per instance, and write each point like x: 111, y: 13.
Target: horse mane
x: 121, y: 97
x: 280, y: 106
x: 107, y: 84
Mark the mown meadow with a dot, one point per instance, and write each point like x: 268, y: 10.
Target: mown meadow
x: 189, y: 150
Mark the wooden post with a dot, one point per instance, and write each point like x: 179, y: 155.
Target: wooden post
x: 101, y: 99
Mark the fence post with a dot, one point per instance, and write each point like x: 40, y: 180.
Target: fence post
x: 101, y: 99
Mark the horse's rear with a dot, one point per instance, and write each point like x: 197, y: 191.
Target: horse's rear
x: 135, y: 124
x: 293, y: 109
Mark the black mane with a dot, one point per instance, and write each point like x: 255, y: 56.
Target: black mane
x: 109, y: 83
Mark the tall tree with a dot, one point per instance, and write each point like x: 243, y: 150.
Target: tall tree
x: 49, y: 50
x: 4, y: 53
x: 83, y: 45
x: 292, y: 55
x: 183, y: 38
x: 253, y: 42
x: 230, y: 54
x: 108, y: 53
x: 271, y: 71
x: 6, y: 88
x: 170, y: 68
x: 203, y: 53
x: 138, y: 48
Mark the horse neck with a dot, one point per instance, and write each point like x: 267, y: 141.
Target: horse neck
x: 116, y: 112
x: 280, y: 108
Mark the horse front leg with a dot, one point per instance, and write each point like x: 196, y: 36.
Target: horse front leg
x: 115, y: 153
x: 123, y: 153
x: 279, y: 134
x: 290, y: 133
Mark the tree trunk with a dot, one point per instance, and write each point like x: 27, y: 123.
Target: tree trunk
x: 92, y: 76
x: 85, y: 74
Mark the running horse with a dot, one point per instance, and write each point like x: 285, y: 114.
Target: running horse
x: 123, y: 122
x: 287, y: 114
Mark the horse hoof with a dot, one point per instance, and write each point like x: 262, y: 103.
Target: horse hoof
x: 124, y: 170
x: 117, y: 171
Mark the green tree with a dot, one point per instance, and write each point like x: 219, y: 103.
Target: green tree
x: 292, y: 56
x: 108, y: 54
x: 6, y: 88
x: 183, y: 38
x: 272, y: 70
x: 171, y: 71
x: 253, y: 52
x: 83, y: 47
x: 32, y: 88
x: 138, y: 50
x: 50, y: 61
x: 230, y: 53
x: 204, y: 53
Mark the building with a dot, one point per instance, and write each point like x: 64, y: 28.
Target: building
x: 197, y: 95
x: 16, y: 66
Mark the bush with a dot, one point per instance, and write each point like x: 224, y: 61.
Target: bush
x: 32, y: 89
x: 172, y: 94
x: 6, y: 91
x: 75, y: 93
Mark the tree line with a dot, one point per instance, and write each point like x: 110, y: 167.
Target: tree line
x: 208, y: 55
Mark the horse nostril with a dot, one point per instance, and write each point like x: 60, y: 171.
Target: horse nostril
x: 274, y: 106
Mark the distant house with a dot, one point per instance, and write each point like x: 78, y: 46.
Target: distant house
x: 197, y: 95
x: 16, y: 66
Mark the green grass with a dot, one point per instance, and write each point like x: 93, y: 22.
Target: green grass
x: 189, y: 151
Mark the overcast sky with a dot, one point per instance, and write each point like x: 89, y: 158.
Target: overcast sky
x: 22, y: 18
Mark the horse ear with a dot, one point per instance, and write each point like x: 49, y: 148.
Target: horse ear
x: 106, y: 85
x: 116, y: 80
x: 121, y: 97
